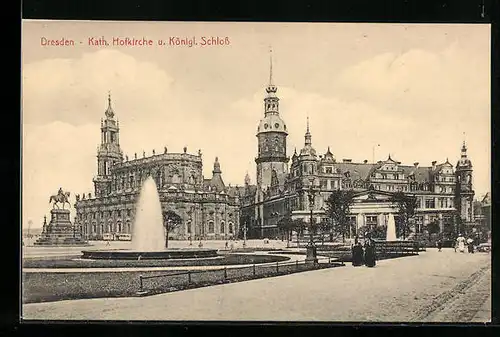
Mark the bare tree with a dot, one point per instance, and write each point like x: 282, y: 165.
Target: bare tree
x: 406, y: 206
x: 171, y: 221
x: 338, y: 209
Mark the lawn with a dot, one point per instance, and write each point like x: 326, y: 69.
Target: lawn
x: 221, y: 260
x: 46, y: 286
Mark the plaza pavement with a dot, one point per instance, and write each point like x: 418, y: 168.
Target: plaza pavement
x: 444, y: 286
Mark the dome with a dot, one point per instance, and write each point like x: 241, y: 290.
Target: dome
x: 308, y: 150
x: 272, y: 123
x: 464, y: 162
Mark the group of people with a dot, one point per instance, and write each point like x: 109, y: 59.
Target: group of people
x: 364, y: 255
x: 462, y: 242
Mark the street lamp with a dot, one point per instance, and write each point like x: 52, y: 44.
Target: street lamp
x: 245, y: 229
x: 311, y: 256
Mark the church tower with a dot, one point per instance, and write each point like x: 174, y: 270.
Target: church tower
x: 271, y: 159
x: 464, y: 190
x: 108, y: 153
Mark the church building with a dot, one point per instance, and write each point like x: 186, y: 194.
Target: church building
x: 208, y: 208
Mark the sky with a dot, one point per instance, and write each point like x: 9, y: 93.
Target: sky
x: 414, y: 91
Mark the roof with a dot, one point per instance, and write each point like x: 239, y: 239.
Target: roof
x: 421, y: 173
x: 356, y: 170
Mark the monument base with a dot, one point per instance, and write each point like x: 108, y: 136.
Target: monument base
x: 60, y: 231
x: 311, y: 257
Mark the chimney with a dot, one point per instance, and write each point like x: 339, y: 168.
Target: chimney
x: 415, y: 164
x: 365, y: 161
x: 346, y: 160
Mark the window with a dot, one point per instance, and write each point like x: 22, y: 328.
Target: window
x: 128, y: 212
x: 429, y: 203
x: 371, y: 220
x: 384, y: 176
x: 94, y: 228
x: 222, y: 224
x: 189, y: 227
x: 419, y: 203
x: 230, y: 228
x: 211, y: 227
x: 119, y: 213
x: 328, y: 169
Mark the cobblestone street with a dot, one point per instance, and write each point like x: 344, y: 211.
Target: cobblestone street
x: 434, y: 286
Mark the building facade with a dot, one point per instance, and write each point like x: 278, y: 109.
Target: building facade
x: 444, y: 193
x: 208, y: 208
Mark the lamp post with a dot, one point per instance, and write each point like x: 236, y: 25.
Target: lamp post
x: 245, y: 235
x: 311, y: 256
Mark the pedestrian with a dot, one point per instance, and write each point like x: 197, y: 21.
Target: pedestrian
x: 357, y: 254
x: 461, y: 243
x: 470, y: 245
x: 439, y: 245
x: 370, y: 254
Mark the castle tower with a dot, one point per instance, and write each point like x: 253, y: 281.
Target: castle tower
x: 271, y: 136
x: 108, y: 153
x: 464, y: 190
x: 307, y: 164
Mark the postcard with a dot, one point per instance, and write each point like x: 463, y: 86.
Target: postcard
x: 224, y: 171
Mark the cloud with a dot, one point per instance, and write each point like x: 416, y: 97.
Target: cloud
x: 451, y: 83
x: 66, y: 89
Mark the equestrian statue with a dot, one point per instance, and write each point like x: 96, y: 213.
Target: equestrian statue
x: 61, y: 197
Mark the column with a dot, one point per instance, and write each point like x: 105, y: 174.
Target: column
x: 359, y: 221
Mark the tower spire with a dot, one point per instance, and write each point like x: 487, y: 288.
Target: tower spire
x: 308, y: 134
x: 109, y: 111
x: 270, y: 66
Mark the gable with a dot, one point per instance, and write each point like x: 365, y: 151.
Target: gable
x: 372, y: 195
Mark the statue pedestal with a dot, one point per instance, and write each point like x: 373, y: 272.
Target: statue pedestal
x: 311, y: 257
x: 60, y: 231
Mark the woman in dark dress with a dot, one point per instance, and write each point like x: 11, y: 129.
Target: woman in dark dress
x: 370, y: 257
x: 357, y: 254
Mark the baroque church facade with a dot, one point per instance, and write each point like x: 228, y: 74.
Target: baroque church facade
x: 208, y: 208
x: 444, y: 193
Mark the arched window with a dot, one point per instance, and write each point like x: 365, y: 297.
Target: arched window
x: 222, y: 229
x: 230, y: 229
x: 211, y: 228
x: 188, y: 227
x: 119, y: 227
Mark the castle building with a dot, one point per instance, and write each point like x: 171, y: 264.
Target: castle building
x: 208, y: 208
x: 443, y: 193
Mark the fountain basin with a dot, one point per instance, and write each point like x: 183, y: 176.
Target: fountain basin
x: 125, y: 254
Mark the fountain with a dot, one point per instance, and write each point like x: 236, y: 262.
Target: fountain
x: 391, y: 229
x: 148, y: 231
x: 148, y: 237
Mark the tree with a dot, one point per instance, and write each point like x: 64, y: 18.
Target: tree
x: 338, y: 208
x: 171, y: 221
x: 286, y: 225
x: 298, y: 225
x: 433, y: 228
x: 406, y: 206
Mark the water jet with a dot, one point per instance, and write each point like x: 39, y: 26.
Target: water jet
x: 148, y: 234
